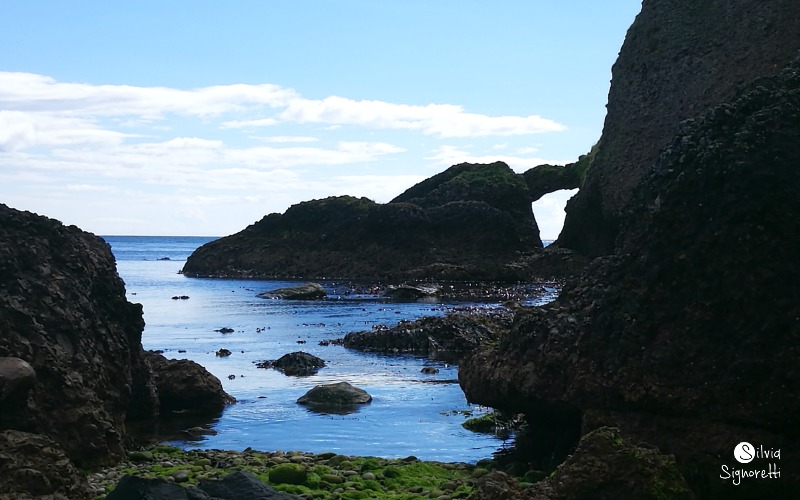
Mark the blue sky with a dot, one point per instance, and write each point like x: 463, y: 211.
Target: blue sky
x: 198, y: 118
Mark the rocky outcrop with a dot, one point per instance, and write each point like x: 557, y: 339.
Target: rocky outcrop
x: 63, y: 311
x: 471, y: 221
x: 340, y: 397
x: 184, y: 385
x: 307, y: 291
x: 34, y: 466
x: 300, y: 364
x: 679, y: 59
x: 545, y: 179
x: 240, y: 485
x: 604, y: 466
x: 693, y: 324
x: 458, y: 333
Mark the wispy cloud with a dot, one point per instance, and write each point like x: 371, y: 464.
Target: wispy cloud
x: 452, y: 155
x: 443, y: 120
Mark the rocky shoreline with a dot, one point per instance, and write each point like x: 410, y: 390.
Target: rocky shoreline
x: 604, y: 462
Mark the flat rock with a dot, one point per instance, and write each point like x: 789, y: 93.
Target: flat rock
x: 308, y: 291
x: 340, y: 394
x: 412, y: 292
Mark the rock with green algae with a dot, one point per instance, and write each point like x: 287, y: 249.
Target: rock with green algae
x: 605, y: 465
x: 288, y: 474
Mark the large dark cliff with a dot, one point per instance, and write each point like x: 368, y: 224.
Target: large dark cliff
x: 679, y: 58
x: 73, y: 375
x: 63, y: 310
x: 689, y: 337
x: 472, y: 221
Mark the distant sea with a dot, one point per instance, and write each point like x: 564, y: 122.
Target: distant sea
x: 411, y: 413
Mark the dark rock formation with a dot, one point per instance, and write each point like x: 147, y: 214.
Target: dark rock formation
x: 471, y: 221
x: 694, y: 323
x: 545, y: 179
x: 240, y: 485
x: 679, y: 59
x: 17, y: 376
x: 411, y: 292
x: 63, y: 310
x: 458, y: 332
x: 295, y: 363
x: 308, y: 291
x: 605, y: 466
x: 340, y: 395
x: 33, y: 465
x: 184, y: 385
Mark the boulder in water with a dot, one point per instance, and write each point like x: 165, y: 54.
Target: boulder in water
x: 308, y: 291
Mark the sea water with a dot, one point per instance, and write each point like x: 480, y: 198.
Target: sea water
x: 411, y: 413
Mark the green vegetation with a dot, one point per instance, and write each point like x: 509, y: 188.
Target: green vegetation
x: 323, y: 476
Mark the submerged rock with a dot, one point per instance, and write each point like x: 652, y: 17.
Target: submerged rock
x: 308, y: 291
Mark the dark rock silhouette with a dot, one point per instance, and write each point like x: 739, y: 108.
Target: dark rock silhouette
x: 63, y: 310
x: 670, y: 338
x: 240, y: 485
x: 340, y: 397
x: 184, y: 385
x: 455, y: 333
x: 307, y: 291
x: 295, y: 363
x: 73, y: 375
x: 678, y: 60
x: 470, y: 221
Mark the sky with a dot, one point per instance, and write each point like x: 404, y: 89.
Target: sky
x: 200, y: 117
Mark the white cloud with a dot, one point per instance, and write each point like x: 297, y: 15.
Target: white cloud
x: 288, y: 138
x: 451, y: 155
x: 20, y: 130
x: 262, y: 122
x: 444, y: 120
x: 37, y: 93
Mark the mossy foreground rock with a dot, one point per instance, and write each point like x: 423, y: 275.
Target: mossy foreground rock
x: 325, y: 476
x: 607, y: 466
x: 288, y: 474
x: 470, y: 221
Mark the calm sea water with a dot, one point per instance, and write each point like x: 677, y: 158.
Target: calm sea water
x: 411, y: 413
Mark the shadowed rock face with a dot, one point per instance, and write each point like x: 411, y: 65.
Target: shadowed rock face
x: 679, y: 59
x: 63, y: 310
x: 184, y: 385
x: 470, y: 221
x: 694, y: 324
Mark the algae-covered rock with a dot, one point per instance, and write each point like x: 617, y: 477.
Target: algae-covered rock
x: 288, y: 474
x: 607, y: 466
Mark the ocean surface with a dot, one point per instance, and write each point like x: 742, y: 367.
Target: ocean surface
x: 411, y: 413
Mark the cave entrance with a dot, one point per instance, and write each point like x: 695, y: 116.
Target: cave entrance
x: 549, y: 213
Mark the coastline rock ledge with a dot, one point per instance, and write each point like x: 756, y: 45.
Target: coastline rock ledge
x: 472, y: 221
